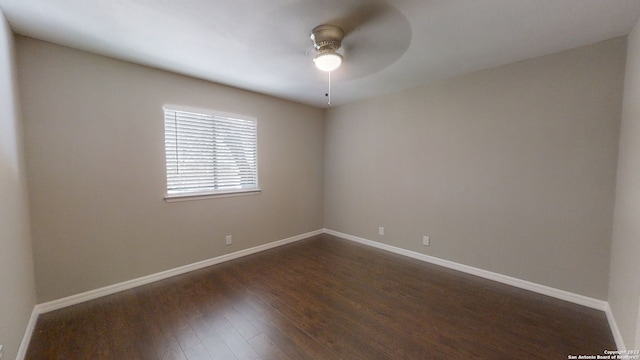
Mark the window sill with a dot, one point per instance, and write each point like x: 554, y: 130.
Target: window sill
x: 204, y: 196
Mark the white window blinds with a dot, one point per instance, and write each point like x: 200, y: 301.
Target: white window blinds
x: 208, y: 153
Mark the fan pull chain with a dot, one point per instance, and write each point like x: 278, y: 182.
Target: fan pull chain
x: 328, y: 94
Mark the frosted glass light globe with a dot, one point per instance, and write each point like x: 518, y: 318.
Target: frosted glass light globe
x: 328, y: 61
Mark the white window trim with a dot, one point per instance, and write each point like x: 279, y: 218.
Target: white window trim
x: 210, y: 195
x: 216, y: 193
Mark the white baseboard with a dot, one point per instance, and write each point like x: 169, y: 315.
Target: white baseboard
x: 617, y: 336
x: 130, y: 284
x: 28, y: 332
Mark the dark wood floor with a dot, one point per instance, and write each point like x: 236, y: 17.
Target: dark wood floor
x: 322, y: 298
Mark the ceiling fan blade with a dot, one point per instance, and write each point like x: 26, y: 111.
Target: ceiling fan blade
x: 361, y: 15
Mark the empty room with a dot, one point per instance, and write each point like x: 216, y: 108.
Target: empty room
x: 339, y: 179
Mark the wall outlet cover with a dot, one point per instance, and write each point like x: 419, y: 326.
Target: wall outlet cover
x: 381, y: 230
x: 228, y: 239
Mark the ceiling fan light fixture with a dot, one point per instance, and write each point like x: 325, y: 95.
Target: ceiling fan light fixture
x: 327, y: 39
x: 327, y: 60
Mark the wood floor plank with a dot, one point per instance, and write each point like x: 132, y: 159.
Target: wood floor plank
x: 321, y: 298
x: 211, y: 340
x: 284, y: 330
x: 198, y: 352
x: 245, y: 327
x: 322, y: 327
x: 163, y: 338
x: 238, y: 344
x: 266, y: 348
x: 169, y: 349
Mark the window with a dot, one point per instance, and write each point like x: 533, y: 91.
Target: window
x: 209, y: 153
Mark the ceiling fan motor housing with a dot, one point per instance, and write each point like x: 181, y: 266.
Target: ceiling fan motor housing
x: 327, y: 37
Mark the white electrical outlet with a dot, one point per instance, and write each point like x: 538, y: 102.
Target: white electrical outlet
x: 425, y: 240
x: 0, y: 352
x: 228, y: 239
x: 381, y: 230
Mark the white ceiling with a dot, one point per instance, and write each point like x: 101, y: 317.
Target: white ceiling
x: 264, y: 46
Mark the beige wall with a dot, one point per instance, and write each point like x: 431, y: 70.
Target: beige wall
x: 624, y: 283
x: 511, y: 169
x: 95, y: 166
x: 17, y: 286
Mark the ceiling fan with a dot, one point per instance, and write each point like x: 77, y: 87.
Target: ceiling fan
x: 350, y: 39
x: 369, y: 30
x: 327, y: 40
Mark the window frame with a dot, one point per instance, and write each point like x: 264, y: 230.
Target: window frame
x: 207, y: 194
